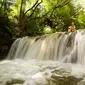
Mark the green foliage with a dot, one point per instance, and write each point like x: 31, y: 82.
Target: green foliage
x: 81, y: 18
x: 47, y: 30
x: 32, y: 17
x: 4, y: 21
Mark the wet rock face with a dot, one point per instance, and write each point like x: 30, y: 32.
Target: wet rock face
x: 14, y: 82
x: 3, y: 52
x: 54, y: 80
x: 5, y: 47
x: 70, y: 80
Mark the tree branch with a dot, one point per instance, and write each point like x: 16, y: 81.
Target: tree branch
x: 31, y: 7
x: 60, y: 5
x: 35, y: 9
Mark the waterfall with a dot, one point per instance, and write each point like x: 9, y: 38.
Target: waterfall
x: 51, y: 59
x: 64, y: 47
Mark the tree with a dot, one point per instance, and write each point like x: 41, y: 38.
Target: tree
x: 4, y: 21
x: 29, y: 17
x: 34, y: 13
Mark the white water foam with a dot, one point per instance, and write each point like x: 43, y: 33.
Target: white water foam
x: 34, y: 72
x: 47, y: 60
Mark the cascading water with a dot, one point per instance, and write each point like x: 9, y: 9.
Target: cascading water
x: 64, y: 47
x: 55, y: 59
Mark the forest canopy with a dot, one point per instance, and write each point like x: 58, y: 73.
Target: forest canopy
x: 36, y: 17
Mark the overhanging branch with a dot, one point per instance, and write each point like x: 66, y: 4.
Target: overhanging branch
x: 35, y: 9
x: 52, y: 10
x: 60, y: 5
x: 31, y: 7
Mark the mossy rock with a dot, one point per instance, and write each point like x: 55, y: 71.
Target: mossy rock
x: 70, y: 80
x: 15, y: 81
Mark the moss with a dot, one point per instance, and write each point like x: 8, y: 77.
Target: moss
x: 70, y: 80
x: 15, y: 81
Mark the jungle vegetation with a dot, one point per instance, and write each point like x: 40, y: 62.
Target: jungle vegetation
x: 36, y: 17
